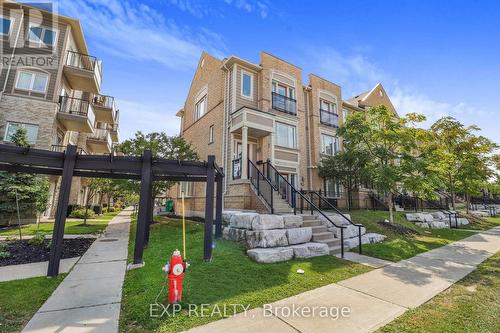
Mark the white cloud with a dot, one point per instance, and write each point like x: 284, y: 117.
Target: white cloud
x: 136, y: 31
x: 200, y: 9
x: 147, y: 118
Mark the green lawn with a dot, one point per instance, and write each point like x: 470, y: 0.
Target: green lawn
x: 482, y: 223
x: 72, y: 226
x: 20, y: 299
x: 397, y: 247
x: 471, y: 305
x: 231, y: 278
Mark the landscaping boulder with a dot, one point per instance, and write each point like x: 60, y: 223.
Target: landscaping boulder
x: 308, y: 250
x: 461, y: 221
x: 266, y: 238
x: 349, y: 232
x: 426, y: 217
x: 335, y: 218
x: 439, y: 216
x: 292, y: 221
x: 369, y: 238
x: 266, y: 222
x: 234, y: 234
x: 438, y: 225
x: 243, y: 220
x: 422, y: 224
x: 480, y: 213
x: 227, y: 214
x: 299, y: 235
x: 414, y: 217
x: 277, y: 254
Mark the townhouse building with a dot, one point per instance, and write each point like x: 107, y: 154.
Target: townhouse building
x: 268, y: 129
x: 51, y: 86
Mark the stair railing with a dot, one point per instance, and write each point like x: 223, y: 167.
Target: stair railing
x: 289, y: 188
x: 331, y: 206
x: 264, y: 190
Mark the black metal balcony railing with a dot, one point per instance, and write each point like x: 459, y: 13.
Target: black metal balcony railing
x: 82, y: 61
x: 284, y: 104
x: 104, y: 101
x: 62, y: 149
x: 328, y: 118
x: 113, y: 128
x: 76, y: 106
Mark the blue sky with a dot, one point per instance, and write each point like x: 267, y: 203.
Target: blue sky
x: 433, y: 57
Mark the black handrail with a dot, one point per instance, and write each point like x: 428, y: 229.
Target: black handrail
x: 328, y: 118
x: 73, y: 105
x: 312, y: 206
x: 323, y: 199
x: 376, y: 197
x: 284, y: 104
x: 260, y: 175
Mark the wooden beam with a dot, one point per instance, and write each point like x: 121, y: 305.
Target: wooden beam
x: 209, y: 209
x: 62, y: 211
x: 218, y: 207
x: 145, y: 193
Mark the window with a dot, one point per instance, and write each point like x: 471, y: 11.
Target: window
x: 246, y: 84
x: 328, y: 106
x: 42, y: 35
x: 283, y: 90
x: 5, y: 24
x: 211, y: 134
x: 332, y: 188
x: 31, y: 131
x: 200, y: 108
x: 36, y: 82
x: 329, y: 145
x: 187, y: 188
x: 286, y: 135
x: 345, y: 114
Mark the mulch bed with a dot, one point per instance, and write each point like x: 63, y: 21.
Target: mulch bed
x: 22, y: 252
x: 398, y: 228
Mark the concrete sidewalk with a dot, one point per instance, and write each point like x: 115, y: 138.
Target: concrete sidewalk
x: 374, y: 298
x: 88, y: 300
x: 36, y: 269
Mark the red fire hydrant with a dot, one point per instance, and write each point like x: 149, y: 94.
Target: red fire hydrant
x: 175, y: 269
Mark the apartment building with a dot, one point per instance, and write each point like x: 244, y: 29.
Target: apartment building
x: 261, y: 121
x: 51, y: 86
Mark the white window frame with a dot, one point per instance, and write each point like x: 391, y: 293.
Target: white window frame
x: 335, y: 147
x: 294, y: 129
x: 242, y: 74
x: 12, y: 20
x: 336, y: 185
x: 289, y: 90
x: 32, y: 82
x: 188, y: 188
x: 9, y: 123
x: 345, y: 114
x: 211, y: 138
x: 330, y: 104
x: 196, y: 115
x: 44, y: 30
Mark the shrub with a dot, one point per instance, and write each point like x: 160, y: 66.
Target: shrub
x: 80, y: 214
x: 118, y: 204
x: 110, y: 210
x: 37, y: 240
x: 3, y: 251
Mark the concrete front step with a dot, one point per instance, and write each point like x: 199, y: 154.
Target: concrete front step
x: 322, y: 236
x: 316, y: 229
x: 311, y: 223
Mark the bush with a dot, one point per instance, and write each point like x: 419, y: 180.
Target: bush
x: 37, y: 240
x: 110, y: 210
x: 3, y: 251
x: 80, y: 213
x: 118, y: 204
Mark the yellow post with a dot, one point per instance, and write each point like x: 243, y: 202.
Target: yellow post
x: 183, y: 227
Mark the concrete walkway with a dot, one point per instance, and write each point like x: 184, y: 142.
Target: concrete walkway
x: 374, y: 298
x: 25, y: 237
x: 365, y: 260
x: 88, y: 300
x: 25, y: 271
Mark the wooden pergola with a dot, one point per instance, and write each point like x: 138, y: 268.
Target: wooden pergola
x: 146, y: 168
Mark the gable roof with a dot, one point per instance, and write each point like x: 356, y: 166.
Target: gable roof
x: 376, y: 96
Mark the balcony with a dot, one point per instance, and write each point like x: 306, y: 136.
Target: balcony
x: 104, y: 108
x: 83, y: 72
x: 76, y: 114
x: 100, y: 141
x: 284, y: 104
x: 328, y: 118
x: 113, y: 131
x: 62, y: 149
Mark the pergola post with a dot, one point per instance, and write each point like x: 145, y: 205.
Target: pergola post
x: 62, y: 211
x: 209, y: 209
x: 149, y: 219
x: 218, y: 207
x: 144, y: 205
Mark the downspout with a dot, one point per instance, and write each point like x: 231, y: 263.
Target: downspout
x: 224, y: 131
x: 13, y: 52
x: 308, y: 140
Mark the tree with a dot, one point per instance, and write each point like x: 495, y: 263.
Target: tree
x: 347, y: 168
x: 94, y: 186
x: 389, y: 143
x: 32, y: 191
x: 162, y: 146
x: 461, y: 159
